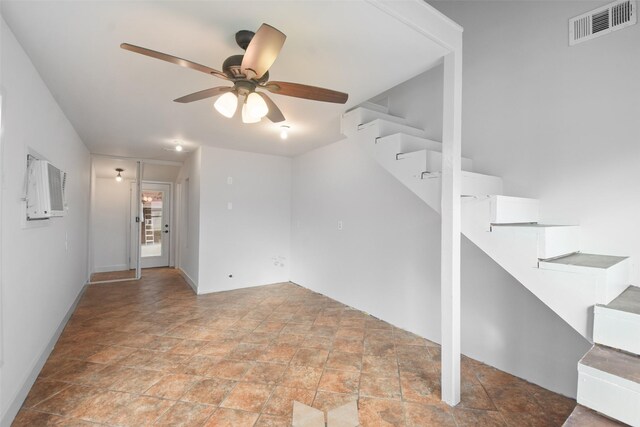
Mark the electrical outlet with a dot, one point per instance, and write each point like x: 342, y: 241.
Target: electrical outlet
x: 339, y: 225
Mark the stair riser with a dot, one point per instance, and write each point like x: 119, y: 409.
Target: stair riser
x: 386, y: 128
x: 557, y: 241
x: 551, y: 242
x: 609, y: 282
x: 392, y: 145
x: 430, y: 161
x: 617, y: 329
x: 475, y: 184
x: 612, y: 396
x: 352, y: 119
x: 513, y: 210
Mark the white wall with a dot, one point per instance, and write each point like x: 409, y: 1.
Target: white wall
x: 44, y: 266
x: 189, y: 218
x: 558, y: 123
x: 386, y: 261
x: 250, y: 241
x: 111, y: 224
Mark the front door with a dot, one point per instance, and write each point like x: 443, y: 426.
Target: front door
x: 155, y: 225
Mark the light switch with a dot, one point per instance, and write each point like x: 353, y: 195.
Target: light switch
x: 229, y: 205
x: 229, y: 180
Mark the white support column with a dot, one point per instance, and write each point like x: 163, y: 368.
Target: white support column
x: 450, y: 243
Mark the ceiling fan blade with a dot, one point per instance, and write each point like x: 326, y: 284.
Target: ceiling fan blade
x: 203, y: 94
x: 306, y: 92
x: 274, y: 114
x: 262, y: 51
x: 174, y: 60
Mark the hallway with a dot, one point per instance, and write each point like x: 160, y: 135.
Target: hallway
x: 153, y: 353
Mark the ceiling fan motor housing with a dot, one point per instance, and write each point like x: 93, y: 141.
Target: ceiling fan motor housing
x: 232, y: 68
x: 243, y: 38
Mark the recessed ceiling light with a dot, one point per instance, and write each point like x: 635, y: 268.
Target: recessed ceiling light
x: 179, y: 147
x: 284, y: 132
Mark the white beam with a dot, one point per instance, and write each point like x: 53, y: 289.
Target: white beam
x: 450, y: 243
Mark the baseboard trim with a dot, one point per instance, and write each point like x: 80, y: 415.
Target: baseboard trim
x: 21, y: 395
x: 189, y: 280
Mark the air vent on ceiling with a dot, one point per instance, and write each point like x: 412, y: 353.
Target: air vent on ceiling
x: 602, y: 20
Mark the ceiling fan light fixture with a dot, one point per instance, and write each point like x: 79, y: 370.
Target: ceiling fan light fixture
x: 256, y: 106
x: 227, y: 104
x: 247, y: 117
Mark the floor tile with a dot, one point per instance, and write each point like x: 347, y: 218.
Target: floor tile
x: 29, y: 418
x: 281, y: 400
x: 380, y: 412
x: 184, y: 414
x: 141, y: 410
x: 172, y: 386
x: 382, y: 387
x: 418, y: 415
x: 67, y: 400
x: 344, y: 361
x: 211, y: 391
x: 231, y: 418
x: 339, y: 381
x: 43, y: 389
x: 477, y: 418
x: 266, y: 373
x: 312, y: 357
x: 301, y: 377
x: 325, y: 400
x: 249, y: 397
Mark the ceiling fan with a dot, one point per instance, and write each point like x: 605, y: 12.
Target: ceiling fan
x: 248, y: 73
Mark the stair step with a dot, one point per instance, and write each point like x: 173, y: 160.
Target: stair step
x: 386, y: 127
x: 512, y: 210
x: 585, y: 417
x: 375, y: 107
x: 427, y: 160
x: 617, y: 324
x: 405, y: 143
x: 553, y: 240
x: 610, y: 272
x: 587, y: 260
x: 609, y: 382
x: 354, y: 118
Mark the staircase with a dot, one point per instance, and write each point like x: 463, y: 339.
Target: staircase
x: 545, y: 258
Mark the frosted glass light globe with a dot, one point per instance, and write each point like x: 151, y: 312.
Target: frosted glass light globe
x: 248, y: 118
x: 227, y: 104
x: 256, y: 106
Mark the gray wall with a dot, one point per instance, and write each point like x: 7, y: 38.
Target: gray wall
x: 44, y: 265
x: 558, y: 123
x: 386, y: 261
x: 250, y: 241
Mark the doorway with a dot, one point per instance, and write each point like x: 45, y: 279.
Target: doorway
x: 155, y: 224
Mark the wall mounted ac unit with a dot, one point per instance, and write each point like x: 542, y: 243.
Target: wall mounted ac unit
x: 45, y: 190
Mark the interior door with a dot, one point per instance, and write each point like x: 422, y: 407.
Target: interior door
x: 155, y: 225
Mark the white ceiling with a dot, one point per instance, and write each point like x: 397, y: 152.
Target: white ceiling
x: 121, y: 103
